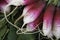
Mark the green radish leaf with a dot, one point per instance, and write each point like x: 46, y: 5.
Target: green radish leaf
x: 55, y: 2
x: 12, y: 34
x: 4, y: 36
x: 59, y: 3
x: 14, y: 15
x: 49, y: 2
x: 46, y: 0
x: 1, y: 15
x: 26, y: 37
x: 2, y: 31
x: 2, y: 23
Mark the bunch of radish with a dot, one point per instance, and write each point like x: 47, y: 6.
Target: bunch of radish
x: 36, y: 12
x: 49, y: 19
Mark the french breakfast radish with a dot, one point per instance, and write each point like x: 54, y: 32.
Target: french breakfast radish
x: 56, y: 24
x: 47, y: 20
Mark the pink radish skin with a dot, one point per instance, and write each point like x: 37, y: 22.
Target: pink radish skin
x: 33, y: 25
x: 26, y: 2
x: 33, y: 12
x: 47, y: 21
x: 56, y: 27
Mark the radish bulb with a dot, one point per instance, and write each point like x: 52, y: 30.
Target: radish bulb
x: 56, y: 26
x: 47, y: 20
x: 33, y: 12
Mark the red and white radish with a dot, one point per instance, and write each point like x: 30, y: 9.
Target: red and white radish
x: 47, y: 20
x: 34, y: 11
x: 56, y: 24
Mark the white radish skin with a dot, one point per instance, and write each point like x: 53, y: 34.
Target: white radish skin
x: 56, y: 26
x: 50, y: 35
x: 47, y: 21
x: 15, y: 2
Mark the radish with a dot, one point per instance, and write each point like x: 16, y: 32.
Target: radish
x: 47, y: 20
x: 56, y: 26
x: 33, y: 13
